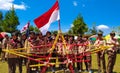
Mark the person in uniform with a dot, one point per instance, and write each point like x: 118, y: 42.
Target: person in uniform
x: 1, y: 48
x: 111, y: 52
x: 61, y: 52
x: 29, y: 45
x: 87, y: 57
x: 101, y: 54
x: 46, y: 42
x: 23, y: 39
x: 49, y: 37
x: 80, y: 42
x: 72, y: 49
x: 70, y: 52
x: 66, y: 36
x: 12, y: 59
x: 4, y: 46
x: 49, y: 43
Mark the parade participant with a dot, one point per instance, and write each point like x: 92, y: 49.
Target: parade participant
x: 54, y: 36
x: 23, y: 39
x: 61, y: 52
x: 29, y: 44
x: 80, y: 43
x: 1, y: 47
x: 13, y: 60
x: 4, y: 46
x: 71, y: 48
x: 43, y: 50
x: 111, y: 52
x: 59, y: 46
x: 88, y: 55
x: 41, y: 40
x: 66, y: 37
x: 70, y: 45
x: 101, y: 54
x: 49, y: 37
x: 40, y: 36
x: 50, y: 41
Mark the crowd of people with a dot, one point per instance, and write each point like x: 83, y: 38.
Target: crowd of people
x: 78, y: 49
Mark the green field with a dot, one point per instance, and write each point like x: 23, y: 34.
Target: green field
x: 4, y: 68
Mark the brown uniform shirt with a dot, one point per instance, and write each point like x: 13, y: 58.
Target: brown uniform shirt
x: 12, y: 45
x: 30, y: 45
x: 111, y: 42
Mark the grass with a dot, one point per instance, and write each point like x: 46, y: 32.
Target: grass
x: 4, y: 68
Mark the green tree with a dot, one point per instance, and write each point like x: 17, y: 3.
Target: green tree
x: 70, y: 31
x: 33, y: 28
x: 11, y: 21
x: 54, y: 32
x: 117, y: 29
x: 1, y: 15
x: 1, y: 21
x: 79, y: 26
x: 93, y: 31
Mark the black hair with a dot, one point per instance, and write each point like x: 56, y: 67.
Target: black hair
x: 31, y: 32
x: 14, y: 34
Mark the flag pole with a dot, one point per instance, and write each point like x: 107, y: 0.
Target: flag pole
x: 28, y: 31
x: 59, y: 27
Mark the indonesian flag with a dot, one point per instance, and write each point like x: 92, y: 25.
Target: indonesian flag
x: 43, y: 22
x: 25, y: 27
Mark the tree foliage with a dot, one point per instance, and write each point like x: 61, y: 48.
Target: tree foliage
x: 11, y: 21
x: 1, y: 21
x: 118, y: 29
x: 79, y: 26
x: 1, y: 15
x: 33, y: 28
x: 54, y: 32
x: 93, y: 30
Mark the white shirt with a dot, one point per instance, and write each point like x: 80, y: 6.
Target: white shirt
x: 110, y: 42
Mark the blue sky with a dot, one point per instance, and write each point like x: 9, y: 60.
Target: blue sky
x: 104, y: 13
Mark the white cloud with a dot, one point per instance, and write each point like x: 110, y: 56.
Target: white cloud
x: 102, y: 27
x: 75, y: 3
x: 7, y: 4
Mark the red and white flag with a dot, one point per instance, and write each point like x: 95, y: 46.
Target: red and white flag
x: 43, y: 22
x: 25, y: 27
